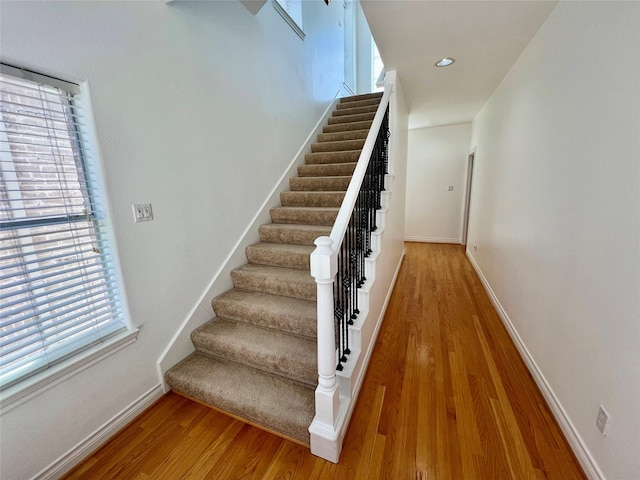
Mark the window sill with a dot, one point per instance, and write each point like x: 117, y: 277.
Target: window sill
x: 34, y: 386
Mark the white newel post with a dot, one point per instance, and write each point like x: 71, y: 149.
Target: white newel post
x: 323, y: 429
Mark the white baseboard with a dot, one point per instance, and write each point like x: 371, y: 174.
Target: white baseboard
x: 572, y: 435
x: 78, y: 453
x: 411, y: 238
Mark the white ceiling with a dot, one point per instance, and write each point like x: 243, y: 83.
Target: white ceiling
x: 485, y: 38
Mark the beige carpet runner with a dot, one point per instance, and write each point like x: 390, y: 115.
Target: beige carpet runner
x: 257, y: 359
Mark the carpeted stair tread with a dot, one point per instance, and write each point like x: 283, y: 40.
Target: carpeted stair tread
x: 338, y: 145
x: 345, y: 127
x: 280, y: 255
x: 257, y: 360
x: 288, y: 282
x: 293, y: 233
x: 312, y: 199
x: 364, y: 96
x: 305, y: 215
x: 327, y: 169
x: 293, y: 315
x: 332, y: 157
x: 355, y: 109
x: 275, y: 402
x: 266, y: 349
x: 358, y: 117
x: 358, y: 103
x: 341, y: 136
x: 324, y: 184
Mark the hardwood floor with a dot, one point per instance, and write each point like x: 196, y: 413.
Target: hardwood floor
x: 446, y: 397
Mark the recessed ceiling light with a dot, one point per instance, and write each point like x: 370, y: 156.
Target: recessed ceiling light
x: 445, y: 62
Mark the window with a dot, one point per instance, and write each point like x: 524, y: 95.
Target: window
x: 379, y: 71
x: 291, y: 11
x: 59, y: 294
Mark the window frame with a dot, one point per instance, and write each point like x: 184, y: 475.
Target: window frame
x: 294, y: 21
x: 94, y: 189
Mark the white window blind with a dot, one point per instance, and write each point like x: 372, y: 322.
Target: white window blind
x: 59, y: 293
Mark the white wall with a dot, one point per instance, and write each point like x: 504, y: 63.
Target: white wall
x: 364, y: 52
x: 556, y: 217
x: 437, y: 158
x: 199, y: 106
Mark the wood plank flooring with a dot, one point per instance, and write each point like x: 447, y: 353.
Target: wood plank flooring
x: 446, y: 398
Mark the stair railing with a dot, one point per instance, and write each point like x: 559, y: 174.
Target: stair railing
x: 338, y: 265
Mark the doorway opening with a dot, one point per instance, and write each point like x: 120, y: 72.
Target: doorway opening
x: 467, y: 199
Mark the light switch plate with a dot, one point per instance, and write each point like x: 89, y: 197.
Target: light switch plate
x: 142, y: 212
x: 602, y: 420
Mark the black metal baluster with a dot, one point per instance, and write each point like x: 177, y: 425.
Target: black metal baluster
x: 368, y: 228
x: 360, y: 237
x: 338, y: 312
x: 356, y: 244
x: 353, y: 257
x: 345, y: 299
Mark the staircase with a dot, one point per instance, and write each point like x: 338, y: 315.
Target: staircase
x: 257, y: 360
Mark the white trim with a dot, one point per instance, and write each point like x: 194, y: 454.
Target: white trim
x: 381, y: 78
x: 49, y: 378
x: 78, y: 453
x: 242, y: 242
x: 289, y: 19
x: 37, y: 77
x: 91, y: 137
x: 466, y: 205
x: 440, y: 126
x: 349, y: 91
x: 410, y: 238
x: 572, y: 435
